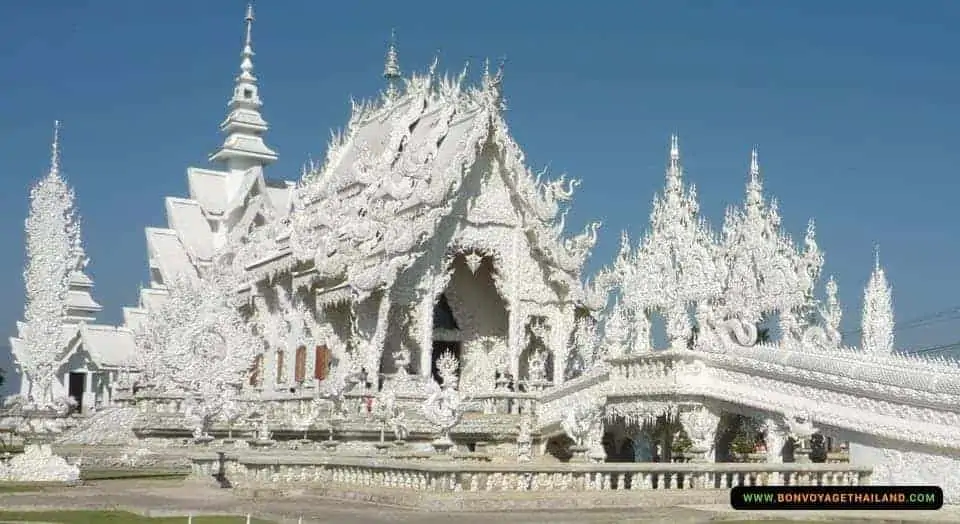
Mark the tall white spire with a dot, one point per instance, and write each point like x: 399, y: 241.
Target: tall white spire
x: 877, y: 321
x: 244, y: 126
x: 674, y: 170
x: 391, y: 66
x: 55, y: 150
x: 754, y: 183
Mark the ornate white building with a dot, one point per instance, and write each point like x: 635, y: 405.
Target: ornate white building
x: 477, y: 262
x: 88, y: 357
x: 424, y: 233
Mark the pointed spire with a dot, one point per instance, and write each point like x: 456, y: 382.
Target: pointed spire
x: 55, y: 150
x: 391, y: 66
x: 493, y: 84
x: 244, y: 126
x: 674, y: 170
x: 754, y: 183
x: 876, y: 257
x: 877, y: 320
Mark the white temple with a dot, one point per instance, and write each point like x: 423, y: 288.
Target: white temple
x: 423, y: 263
x: 87, y: 357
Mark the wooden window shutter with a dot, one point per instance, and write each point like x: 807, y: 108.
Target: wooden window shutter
x: 300, y: 369
x: 280, y: 376
x: 256, y: 371
x: 322, y: 364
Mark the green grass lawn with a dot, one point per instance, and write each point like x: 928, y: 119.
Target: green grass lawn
x: 95, y: 475
x: 120, y: 474
x: 113, y: 517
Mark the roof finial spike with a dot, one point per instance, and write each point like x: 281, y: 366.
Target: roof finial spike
x: 249, y: 19
x: 754, y: 164
x: 674, y: 172
x: 876, y: 256
x: 391, y: 67
x: 55, y: 150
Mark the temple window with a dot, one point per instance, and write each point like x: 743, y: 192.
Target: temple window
x: 321, y: 367
x: 300, y: 369
x: 280, y: 378
x: 256, y: 371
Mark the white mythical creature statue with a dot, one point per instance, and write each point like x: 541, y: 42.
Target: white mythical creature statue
x: 799, y: 426
x: 720, y: 333
x: 443, y: 408
x: 389, y: 414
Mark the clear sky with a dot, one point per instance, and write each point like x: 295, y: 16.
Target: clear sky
x: 853, y: 105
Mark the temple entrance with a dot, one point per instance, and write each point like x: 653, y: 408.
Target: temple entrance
x: 446, y: 334
x: 439, y: 348
x: 76, y: 385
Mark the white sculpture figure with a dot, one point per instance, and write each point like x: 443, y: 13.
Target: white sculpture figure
x: 442, y: 408
x: 231, y: 412
x: 587, y: 351
x: 389, y: 414
x: 398, y: 423
x: 578, y: 423
x: 401, y: 359
x: 263, y: 432
x: 799, y: 426
x: 616, y: 333
x: 800, y: 429
x: 537, y: 368
x: 715, y: 331
x: 384, y: 412
x: 832, y: 314
x: 502, y: 371
x: 54, y: 253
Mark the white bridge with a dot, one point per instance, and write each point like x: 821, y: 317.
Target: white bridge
x: 900, y: 414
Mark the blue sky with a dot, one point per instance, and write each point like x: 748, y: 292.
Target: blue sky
x: 853, y: 106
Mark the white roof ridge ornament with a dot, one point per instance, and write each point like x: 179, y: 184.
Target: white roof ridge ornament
x: 391, y: 67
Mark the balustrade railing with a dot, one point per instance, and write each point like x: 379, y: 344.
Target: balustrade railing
x: 475, y: 476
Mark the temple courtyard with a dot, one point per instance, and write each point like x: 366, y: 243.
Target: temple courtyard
x: 174, y: 498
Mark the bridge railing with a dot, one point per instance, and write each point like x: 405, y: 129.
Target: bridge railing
x: 260, y: 470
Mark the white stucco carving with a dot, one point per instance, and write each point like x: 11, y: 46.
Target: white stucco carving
x: 424, y: 240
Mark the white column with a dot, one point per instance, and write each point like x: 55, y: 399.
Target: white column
x: 89, y: 396
x: 560, y: 335
x: 426, y: 334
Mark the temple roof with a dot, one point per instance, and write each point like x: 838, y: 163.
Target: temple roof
x: 108, y: 346
x: 396, y: 173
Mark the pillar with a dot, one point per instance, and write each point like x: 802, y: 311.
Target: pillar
x: 775, y: 440
x: 515, y: 325
x: 89, y: 395
x: 424, y: 327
